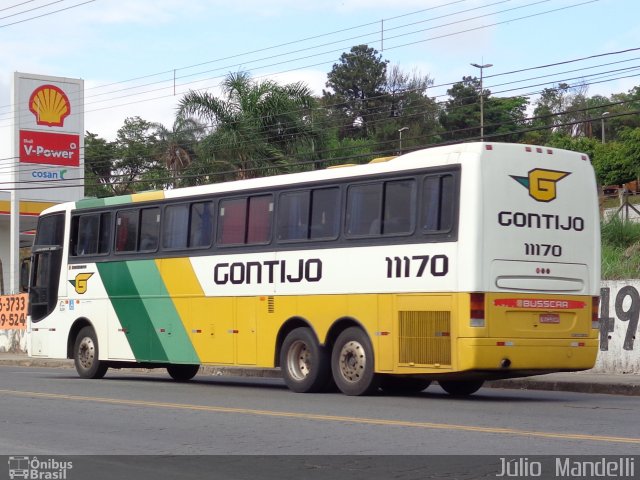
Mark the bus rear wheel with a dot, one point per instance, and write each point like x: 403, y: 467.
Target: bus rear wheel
x: 182, y: 373
x: 304, y: 362
x: 352, y: 363
x: 86, y: 355
x: 461, y: 388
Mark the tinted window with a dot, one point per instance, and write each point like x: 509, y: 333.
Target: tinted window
x: 232, y: 221
x: 149, y: 229
x: 363, y: 210
x: 201, y: 228
x: 260, y: 213
x: 438, y: 203
x: 325, y: 213
x: 50, y: 230
x: 91, y: 234
x: 126, y: 231
x: 175, y: 226
x: 293, y: 216
x: 399, y: 207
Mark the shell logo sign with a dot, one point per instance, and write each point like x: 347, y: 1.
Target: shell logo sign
x: 48, y: 136
x: 50, y: 105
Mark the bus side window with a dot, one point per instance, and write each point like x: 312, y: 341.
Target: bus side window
x: 126, y: 230
x: 293, y: 215
x: 88, y: 231
x: 201, y: 228
x: 149, y: 229
x: 363, y: 210
x: 175, y: 226
x: 90, y: 234
x: 399, y: 207
x: 325, y: 213
x: 232, y: 221
x: 260, y: 214
x: 105, y: 232
x: 438, y: 203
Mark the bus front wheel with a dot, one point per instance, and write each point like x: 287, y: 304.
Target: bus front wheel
x: 461, y: 388
x: 182, y: 373
x: 352, y: 363
x: 304, y: 363
x: 86, y: 355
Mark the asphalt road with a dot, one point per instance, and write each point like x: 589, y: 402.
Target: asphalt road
x: 53, y: 412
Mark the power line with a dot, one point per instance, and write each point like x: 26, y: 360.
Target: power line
x: 172, y: 87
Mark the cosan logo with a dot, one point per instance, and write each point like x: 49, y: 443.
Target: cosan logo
x: 541, y: 183
x: 48, y: 174
x: 50, y: 105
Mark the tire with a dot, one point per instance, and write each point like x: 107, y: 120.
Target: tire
x: 403, y: 385
x: 353, y: 364
x: 86, y: 355
x: 304, y: 362
x: 461, y: 388
x: 182, y: 373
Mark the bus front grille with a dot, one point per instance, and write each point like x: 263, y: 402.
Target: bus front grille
x: 425, y: 337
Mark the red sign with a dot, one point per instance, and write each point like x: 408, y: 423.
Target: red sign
x: 539, y: 303
x: 49, y: 148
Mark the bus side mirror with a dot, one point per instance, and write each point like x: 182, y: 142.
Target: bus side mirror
x: 25, y: 267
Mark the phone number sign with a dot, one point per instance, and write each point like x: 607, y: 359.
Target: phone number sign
x: 13, y: 312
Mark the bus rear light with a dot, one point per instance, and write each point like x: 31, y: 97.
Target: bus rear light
x: 488, y: 147
x: 577, y: 344
x: 505, y: 344
x: 595, y: 309
x: 476, y: 307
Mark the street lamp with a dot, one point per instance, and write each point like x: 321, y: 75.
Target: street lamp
x: 400, y: 132
x: 482, y: 67
x: 602, y: 124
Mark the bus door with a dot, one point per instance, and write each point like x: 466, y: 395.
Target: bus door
x: 44, y: 281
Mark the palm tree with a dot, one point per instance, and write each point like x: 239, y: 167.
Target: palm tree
x: 258, y: 127
x: 177, y: 147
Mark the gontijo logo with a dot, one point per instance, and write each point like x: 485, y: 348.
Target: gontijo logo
x: 541, y: 183
x: 50, y: 105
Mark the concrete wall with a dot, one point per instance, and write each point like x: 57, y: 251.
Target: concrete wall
x: 619, y: 342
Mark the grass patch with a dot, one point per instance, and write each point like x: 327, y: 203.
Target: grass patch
x: 620, y: 249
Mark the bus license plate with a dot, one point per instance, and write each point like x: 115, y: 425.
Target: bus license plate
x: 549, y: 318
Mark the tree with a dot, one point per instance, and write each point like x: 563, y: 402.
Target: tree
x: 460, y: 117
x: 177, y: 147
x: 406, y: 104
x: 136, y: 166
x: 257, y: 125
x: 357, y: 88
x: 98, y: 158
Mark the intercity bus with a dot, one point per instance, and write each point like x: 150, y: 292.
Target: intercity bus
x: 456, y: 264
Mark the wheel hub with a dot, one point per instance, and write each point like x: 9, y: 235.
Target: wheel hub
x: 352, y: 361
x: 299, y: 360
x: 86, y: 352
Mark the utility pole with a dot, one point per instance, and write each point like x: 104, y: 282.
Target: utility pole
x: 482, y: 67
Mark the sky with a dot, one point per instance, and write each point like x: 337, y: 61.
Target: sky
x: 138, y: 57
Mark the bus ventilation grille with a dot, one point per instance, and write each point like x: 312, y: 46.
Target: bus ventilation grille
x: 271, y: 304
x: 425, y: 338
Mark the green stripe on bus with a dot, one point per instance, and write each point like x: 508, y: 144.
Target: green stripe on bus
x: 163, y: 314
x: 131, y: 312
x: 103, y: 202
